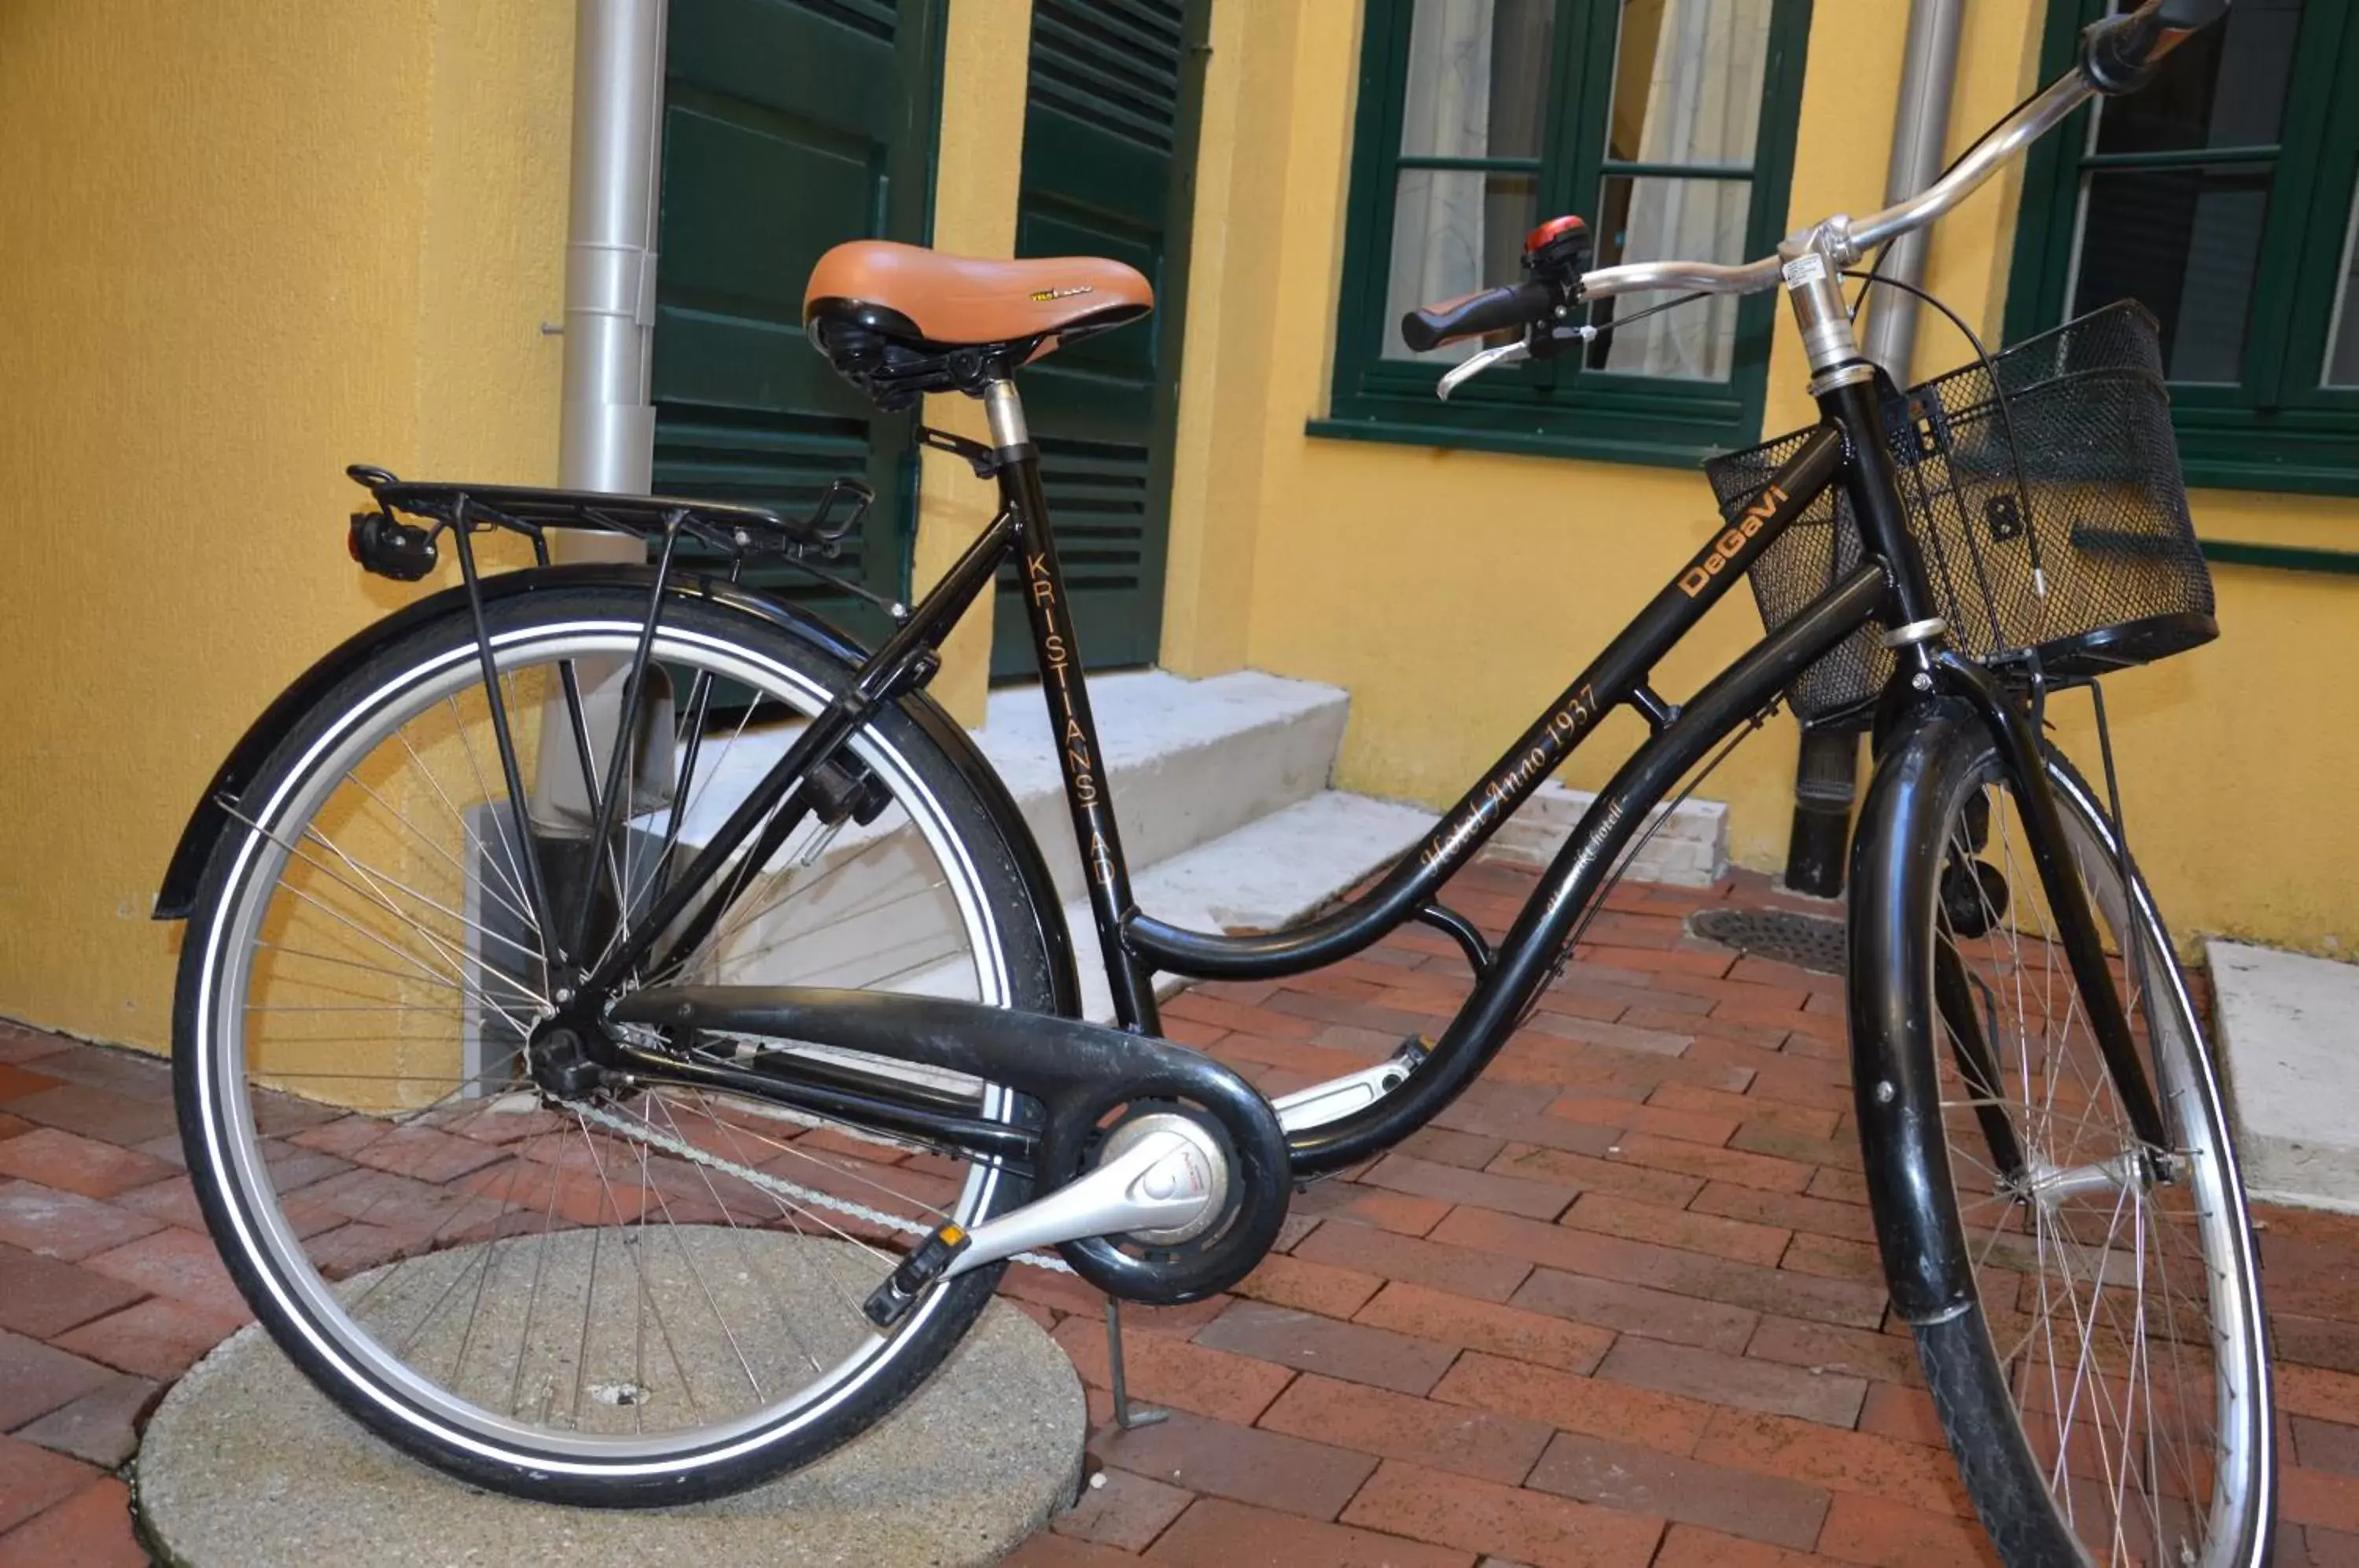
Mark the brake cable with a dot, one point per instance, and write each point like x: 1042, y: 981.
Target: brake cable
x: 1590, y: 332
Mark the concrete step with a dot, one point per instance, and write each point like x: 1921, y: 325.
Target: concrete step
x: 1687, y: 847
x: 1266, y: 875
x: 2284, y: 1026
x: 1187, y: 761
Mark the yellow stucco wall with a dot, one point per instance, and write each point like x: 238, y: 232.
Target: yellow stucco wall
x: 220, y: 293
x: 245, y: 243
x: 1402, y: 572
x: 267, y: 242
x: 978, y: 168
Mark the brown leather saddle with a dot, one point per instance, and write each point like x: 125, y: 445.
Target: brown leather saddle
x: 898, y: 320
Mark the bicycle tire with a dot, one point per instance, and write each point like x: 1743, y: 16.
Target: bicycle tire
x: 228, y: 1123
x: 2026, y: 1465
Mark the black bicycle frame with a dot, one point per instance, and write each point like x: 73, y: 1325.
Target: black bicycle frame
x: 1846, y: 447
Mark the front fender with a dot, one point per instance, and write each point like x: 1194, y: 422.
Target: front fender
x: 176, y: 898
x: 1895, y: 872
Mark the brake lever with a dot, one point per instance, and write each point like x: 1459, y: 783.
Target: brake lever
x: 1559, y: 339
x: 1466, y: 369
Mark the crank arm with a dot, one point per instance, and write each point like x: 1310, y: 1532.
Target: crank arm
x: 1168, y: 1181
x: 1081, y: 1074
x: 1339, y: 1098
x: 1171, y: 1181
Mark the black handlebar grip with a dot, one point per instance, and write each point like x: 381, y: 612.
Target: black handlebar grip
x: 1493, y: 310
x: 2118, y: 54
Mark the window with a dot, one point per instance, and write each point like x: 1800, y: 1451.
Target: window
x: 1668, y: 124
x: 2222, y: 197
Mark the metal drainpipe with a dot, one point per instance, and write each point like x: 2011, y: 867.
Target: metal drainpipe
x: 607, y: 429
x: 1920, y: 132
x: 1826, y: 776
x: 607, y: 438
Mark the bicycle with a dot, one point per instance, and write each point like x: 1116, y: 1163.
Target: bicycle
x: 575, y: 1040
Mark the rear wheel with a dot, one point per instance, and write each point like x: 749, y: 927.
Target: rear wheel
x: 2106, y: 1393
x: 627, y: 1295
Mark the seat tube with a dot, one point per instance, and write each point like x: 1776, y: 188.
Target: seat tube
x: 1843, y: 384
x: 1087, y: 790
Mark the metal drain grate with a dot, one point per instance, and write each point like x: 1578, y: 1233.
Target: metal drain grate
x: 1807, y: 942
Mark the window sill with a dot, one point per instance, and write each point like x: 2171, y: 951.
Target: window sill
x: 2294, y: 452
x: 1599, y: 448
x: 2281, y: 557
x: 2262, y: 474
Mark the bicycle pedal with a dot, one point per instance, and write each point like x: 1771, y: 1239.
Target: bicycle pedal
x: 890, y: 1302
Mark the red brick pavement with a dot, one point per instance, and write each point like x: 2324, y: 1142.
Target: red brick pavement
x: 1618, y: 1305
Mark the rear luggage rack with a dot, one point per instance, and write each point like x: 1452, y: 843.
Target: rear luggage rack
x: 738, y: 531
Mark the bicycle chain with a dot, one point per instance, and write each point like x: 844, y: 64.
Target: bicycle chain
x: 779, y: 1186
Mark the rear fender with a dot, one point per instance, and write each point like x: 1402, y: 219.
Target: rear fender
x: 177, y: 899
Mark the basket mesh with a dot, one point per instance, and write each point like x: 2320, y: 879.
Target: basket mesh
x: 2086, y: 552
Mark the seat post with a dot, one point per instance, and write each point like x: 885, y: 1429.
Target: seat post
x: 1005, y: 409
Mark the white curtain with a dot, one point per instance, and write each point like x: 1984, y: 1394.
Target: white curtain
x: 1438, y: 214
x: 1703, y: 100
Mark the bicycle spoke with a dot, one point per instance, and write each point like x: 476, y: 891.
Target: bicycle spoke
x: 2106, y: 1350
x: 514, y: 867
x: 784, y: 1321
x: 474, y: 1204
x: 427, y: 840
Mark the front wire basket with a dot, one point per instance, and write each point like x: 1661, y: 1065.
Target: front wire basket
x: 2082, y: 551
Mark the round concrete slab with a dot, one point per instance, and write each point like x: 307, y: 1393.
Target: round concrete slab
x: 247, y: 1463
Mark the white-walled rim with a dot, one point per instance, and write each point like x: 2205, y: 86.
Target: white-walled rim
x: 2237, y: 1450
x: 2242, y: 1411
x: 304, y: 1299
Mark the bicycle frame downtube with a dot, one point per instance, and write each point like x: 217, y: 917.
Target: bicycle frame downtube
x: 1617, y: 676
x: 1529, y: 956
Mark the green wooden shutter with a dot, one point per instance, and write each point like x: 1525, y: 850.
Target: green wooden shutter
x: 789, y: 125
x: 1109, y: 152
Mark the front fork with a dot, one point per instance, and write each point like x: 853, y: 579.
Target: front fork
x: 2060, y: 880
x: 1899, y: 854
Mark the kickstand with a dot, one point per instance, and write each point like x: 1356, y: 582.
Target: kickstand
x: 1126, y: 1414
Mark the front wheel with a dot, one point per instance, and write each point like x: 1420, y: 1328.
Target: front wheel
x: 2104, y: 1383
x: 631, y: 1292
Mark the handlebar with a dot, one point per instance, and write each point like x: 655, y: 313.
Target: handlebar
x: 2118, y: 55
x: 1471, y: 315
x: 1850, y: 238
x: 2026, y: 125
